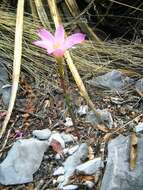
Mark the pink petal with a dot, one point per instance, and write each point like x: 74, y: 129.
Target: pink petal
x: 74, y: 39
x: 58, y: 53
x: 45, y: 45
x: 59, y: 34
x: 45, y: 35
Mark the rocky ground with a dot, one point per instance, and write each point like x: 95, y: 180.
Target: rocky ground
x: 42, y: 148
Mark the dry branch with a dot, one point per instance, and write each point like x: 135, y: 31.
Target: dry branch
x: 16, y: 62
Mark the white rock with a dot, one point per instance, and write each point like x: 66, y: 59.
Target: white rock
x: 56, y: 136
x: 70, y: 187
x: 65, y: 151
x: 59, y: 171
x: 43, y: 134
x: 68, y: 122
x: 60, y: 179
x: 89, y: 184
x: 90, y: 167
x: 83, y: 110
x: 58, y: 156
x: 22, y: 161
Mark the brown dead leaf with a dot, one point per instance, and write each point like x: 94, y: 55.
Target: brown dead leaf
x: 56, y: 146
x: 102, y: 127
x: 29, y: 187
x: 107, y: 137
x: 29, y: 108
x: 133, y: 150
x: 82, y: 178
x: 90, y: 153
x: 137, y: 119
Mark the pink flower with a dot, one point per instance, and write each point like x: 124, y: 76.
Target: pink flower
x: 57, y: 45
x: 18, y: 134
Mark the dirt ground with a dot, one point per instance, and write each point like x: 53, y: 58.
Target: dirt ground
x: 39, y: 107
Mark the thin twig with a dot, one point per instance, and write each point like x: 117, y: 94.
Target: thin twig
x: 126, y: 124
x: 7, y: 136
x: 5, y: 142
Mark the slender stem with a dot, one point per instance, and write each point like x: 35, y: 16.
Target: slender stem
x: 63, y: 83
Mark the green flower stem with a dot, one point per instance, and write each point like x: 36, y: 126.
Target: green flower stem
x: 64, y: 86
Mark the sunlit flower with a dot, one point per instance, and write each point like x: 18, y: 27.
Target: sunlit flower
x: 57, y: 44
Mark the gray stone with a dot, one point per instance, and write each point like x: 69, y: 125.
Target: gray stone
x: 114, y: 80
x: 117, y: 175
x: 59, y: 171
x: 43, y: 134
x: 6, y: 93
x: 139, y: 85
x: 139, y: 128
x: 3, y: 73
x: 22, y: 161
x: 90, y: 167
x: 70, y: 151
x: 105, y: 117
x: 73, y: 161
x: 73, y: 149
x: 68, y: 137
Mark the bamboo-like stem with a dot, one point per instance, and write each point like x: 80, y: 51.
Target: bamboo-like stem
x: 73, y: 69
x: 54, y: 12
x: 74, y: 10
x: 42, y: 14
x: 16, y: 62
x: 33, y: 9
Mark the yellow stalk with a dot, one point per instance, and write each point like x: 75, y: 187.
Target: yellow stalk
x: 42, y: 14
x: 16, y: 62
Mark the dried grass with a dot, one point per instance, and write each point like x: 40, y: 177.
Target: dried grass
x: 89, y: 57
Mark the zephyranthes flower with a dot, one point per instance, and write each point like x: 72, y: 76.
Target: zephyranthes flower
x: 57, y: 44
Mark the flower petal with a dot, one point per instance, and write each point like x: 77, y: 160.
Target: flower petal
x: 58, y: 53
x: 59, y: 34
x: 45, y: 45
x: 45, y: 35
x: 74, y: 39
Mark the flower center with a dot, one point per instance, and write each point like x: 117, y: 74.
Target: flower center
x: 57, y: 45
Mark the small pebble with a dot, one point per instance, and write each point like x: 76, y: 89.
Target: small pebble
x: 68, y: 122
x: 139, y: 128
x: 43, y: 134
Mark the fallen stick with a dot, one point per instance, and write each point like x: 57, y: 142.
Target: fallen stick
x: 16, y: 62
